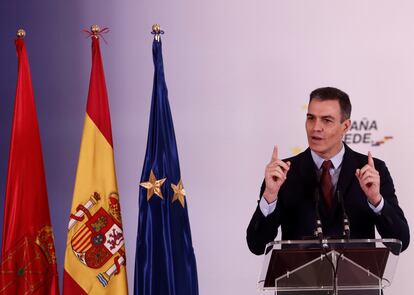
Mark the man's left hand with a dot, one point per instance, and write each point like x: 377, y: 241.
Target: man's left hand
x: 369, y: 180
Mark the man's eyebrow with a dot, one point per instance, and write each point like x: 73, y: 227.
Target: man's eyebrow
x: 328, y: 117
x: 323, y: 117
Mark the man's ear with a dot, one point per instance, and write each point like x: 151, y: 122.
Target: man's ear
x: 346, y: 125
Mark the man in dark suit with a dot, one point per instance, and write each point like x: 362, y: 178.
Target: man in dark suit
x: 287, y: 196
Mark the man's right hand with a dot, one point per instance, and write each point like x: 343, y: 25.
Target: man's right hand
x: 275, y: 175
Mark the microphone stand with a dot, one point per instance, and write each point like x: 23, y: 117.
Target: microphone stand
x: 318, y: 226
x: 345, y: 221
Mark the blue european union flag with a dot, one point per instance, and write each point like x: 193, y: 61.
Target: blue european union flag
x: 165, y: 262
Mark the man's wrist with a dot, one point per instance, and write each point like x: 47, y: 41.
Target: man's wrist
x: 269, y: 197
x: 375, y: 201
x: 378, y: 208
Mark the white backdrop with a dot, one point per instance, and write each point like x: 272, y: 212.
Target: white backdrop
x: 239, y: 75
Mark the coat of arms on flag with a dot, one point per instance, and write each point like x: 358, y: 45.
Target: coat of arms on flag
x: 100, y: 238
x: 27, y: 265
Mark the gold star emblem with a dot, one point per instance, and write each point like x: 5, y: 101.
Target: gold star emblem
x: 305, y: 107
x: 296, y: 150
x: 153, y: 186
x: 179, y: 192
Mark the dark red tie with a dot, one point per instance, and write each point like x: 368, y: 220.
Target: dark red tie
x: 326, y: 183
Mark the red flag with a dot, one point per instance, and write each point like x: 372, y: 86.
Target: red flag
x: 28, y: 253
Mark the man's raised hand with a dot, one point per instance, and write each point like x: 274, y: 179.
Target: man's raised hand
x: 275, y: 175
x: 369, y: 180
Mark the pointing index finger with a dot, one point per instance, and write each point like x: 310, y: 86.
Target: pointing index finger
x: 275, y: 155
x: 370, y: 160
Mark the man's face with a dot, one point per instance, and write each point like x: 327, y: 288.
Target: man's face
x: 324, y: 127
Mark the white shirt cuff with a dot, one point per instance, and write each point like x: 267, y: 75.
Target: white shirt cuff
x: 267, y: 208
x: 378, y: 209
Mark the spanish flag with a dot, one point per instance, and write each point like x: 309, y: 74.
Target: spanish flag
x: 95, y: 247
x: 28, y: 263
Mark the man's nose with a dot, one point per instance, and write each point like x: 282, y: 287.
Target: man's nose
x: 318, y: 126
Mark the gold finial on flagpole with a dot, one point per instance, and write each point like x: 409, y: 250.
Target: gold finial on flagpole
x: 95, y: 29
x: 21, y: 33
x: 156, y: 31
x: 156, y: 28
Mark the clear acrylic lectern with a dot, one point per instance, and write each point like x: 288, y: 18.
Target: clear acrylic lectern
x: 339, y: 267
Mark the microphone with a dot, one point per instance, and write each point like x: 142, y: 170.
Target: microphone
x: 318, y: 228
x: 347, y: 229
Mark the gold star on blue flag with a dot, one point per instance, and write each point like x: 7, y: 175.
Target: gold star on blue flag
x: 153, y: 186
x: 179, y: 193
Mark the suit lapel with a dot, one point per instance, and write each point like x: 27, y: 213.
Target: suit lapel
x: 308, y: 172
x: 349, y: 166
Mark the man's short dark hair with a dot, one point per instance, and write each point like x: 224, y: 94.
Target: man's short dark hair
x: 332, y: 93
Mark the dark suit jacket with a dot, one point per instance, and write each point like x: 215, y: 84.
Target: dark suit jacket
x: 295, y: 210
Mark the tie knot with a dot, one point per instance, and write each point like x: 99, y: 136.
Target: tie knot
x: 326, y: 165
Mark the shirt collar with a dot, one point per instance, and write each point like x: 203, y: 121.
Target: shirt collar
x: 336, y: 160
